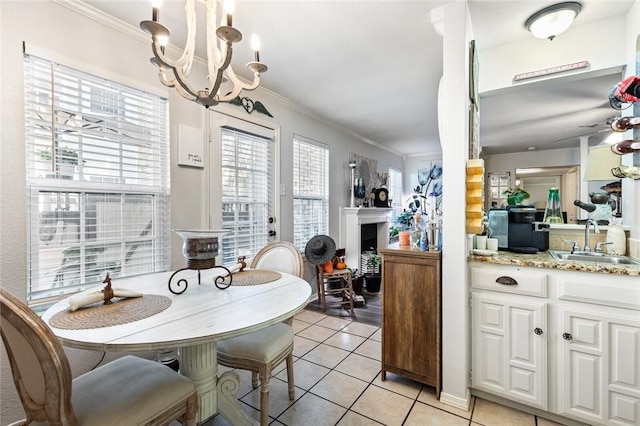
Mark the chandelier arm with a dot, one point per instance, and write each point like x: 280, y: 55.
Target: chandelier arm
x: 178, y: 76
x: 238, y: 85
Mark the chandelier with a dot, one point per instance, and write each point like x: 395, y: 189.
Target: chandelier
x: 220, y: 38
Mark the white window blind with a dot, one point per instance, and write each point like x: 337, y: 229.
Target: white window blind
x: 97, y: 161
x: 310, y: 190
x: 247, y: 192
x: 395, y: 192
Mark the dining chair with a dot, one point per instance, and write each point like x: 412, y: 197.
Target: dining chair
x: 127, y: 391
x: 263, y: 350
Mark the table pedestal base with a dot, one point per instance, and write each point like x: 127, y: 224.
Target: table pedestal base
x: 199, y: 363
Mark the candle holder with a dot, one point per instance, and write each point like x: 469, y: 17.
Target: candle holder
x: 352, y: 166
x: 200, y: 248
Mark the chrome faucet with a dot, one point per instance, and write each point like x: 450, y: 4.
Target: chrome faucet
x: 596, y: 229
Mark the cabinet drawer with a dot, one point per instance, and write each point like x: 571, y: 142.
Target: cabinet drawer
x: 510, y: 280
x: 621, y: 292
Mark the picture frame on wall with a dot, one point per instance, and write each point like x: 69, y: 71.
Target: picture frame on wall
x: 474, y: 132
x: 474, y: 70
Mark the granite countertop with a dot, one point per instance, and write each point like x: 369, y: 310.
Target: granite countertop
x: 544, y: 260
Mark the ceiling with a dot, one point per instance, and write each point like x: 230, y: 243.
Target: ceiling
x: 373, y: 67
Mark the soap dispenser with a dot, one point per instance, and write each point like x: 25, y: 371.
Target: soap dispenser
x: 618, y: 239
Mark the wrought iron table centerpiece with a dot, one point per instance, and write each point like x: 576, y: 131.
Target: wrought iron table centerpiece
x: 200, y: 248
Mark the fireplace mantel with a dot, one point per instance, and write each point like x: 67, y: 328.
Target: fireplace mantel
x: 351, y: 220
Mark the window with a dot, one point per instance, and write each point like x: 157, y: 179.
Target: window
x: 247, y: 188
x: 97, y: 180
x: 310, y: 190
x: 395, y: 193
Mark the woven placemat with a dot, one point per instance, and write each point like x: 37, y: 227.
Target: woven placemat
x: 255, y: 276
x: 121, y: 311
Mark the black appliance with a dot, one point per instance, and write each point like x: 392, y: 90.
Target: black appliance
x: 524, y: 234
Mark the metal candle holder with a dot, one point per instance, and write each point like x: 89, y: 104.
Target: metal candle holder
x: 352, y: 166
x: 200, y: 248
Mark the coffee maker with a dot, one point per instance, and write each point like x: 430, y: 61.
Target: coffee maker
x: 525, y: 235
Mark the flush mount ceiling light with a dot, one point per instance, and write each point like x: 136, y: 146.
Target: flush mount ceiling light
x: 220, y: 35
x: 553, y: 20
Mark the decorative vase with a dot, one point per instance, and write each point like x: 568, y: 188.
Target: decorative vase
x: 200, y: 246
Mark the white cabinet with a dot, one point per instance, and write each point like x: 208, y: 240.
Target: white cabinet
x: 562, y: 341
x: 510, y: 348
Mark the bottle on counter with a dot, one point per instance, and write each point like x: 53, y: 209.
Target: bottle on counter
x: 553, y: 211
x: 623, y: 124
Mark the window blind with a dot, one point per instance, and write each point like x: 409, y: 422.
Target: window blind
x: 247, y: 192
x: 97, y: 163
x: 310, y: 190
x: 395, y: 192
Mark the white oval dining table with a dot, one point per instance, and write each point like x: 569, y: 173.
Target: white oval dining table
x: 196, y: 319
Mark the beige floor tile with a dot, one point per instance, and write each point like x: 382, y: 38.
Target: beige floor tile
x: 334, y: 323
x: 345, y: 341
x: 302, y: 345
x: 299, y: 325
x: 326, y: 355
x: 428, y: 396
x: 305, y: 374
x: 371, y: 349
x: 339, y: 388
x: 278, y: 397
x: 399, y: 384
x: 360, y: 329
x: 317, y: 333
x: 377, y: 336
x: 355, y: 419
x: 545, y: 422
x: 311, y: 410
x: 426, y: 415
x: 310, y: 316
x: 489, y: 413
x: 383, y: 406
x: 360, y: 367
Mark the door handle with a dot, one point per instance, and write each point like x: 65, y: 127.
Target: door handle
x: 272, y: 233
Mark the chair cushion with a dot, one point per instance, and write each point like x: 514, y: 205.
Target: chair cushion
x: 127, y: 391
x: 260, y: 346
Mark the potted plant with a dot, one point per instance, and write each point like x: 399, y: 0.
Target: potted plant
x: 372, y: 276
x: 516, y: 196
x: 66, y: 160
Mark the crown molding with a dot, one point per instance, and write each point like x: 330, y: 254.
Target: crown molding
x: 136, y: 33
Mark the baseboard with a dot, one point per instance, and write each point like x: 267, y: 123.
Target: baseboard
x: 456, y: 401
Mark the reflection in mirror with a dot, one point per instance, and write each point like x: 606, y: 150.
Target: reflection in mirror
x: 537, y: 181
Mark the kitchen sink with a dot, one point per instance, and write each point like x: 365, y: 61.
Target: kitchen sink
x: 587, y: 256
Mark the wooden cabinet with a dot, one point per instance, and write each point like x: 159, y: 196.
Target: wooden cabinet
x: 411, y: 303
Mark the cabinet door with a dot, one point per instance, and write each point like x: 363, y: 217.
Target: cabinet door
x: 411, y: 318
x: 600, y: 366
x: 509, y: 348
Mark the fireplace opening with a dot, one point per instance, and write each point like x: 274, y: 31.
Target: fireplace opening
x: 369, y: 237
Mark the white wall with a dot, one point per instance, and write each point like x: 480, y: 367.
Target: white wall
x: 82, y: 42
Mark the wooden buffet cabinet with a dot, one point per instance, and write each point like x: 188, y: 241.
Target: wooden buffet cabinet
x: 411, y: 304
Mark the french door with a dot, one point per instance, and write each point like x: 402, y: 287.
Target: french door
x: 242, y: 185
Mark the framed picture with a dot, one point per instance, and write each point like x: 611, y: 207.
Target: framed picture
x: 474, y: 132
x: 473, y: 73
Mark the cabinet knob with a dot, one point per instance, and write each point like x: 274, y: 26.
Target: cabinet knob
x: 505, y: 280
x: 567, y: 336
x: 538, y: 331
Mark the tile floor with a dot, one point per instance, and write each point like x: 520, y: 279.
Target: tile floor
x: 337, y: 377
